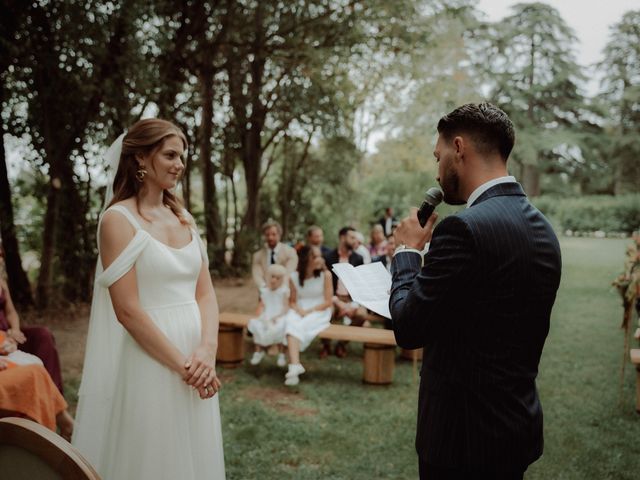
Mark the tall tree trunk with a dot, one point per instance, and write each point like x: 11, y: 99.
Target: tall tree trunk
x: 18, y: 282
x: 530, y: 172
x: 17, y: 278
x: 73, y: 247
x: 211, y: 212
x: 43, y: 288
x: 531, y: 180
x: 186, y: 186
x: 251, y: 171
x: 252, y: 152
x: 626, y: 175
x: 63, y: 235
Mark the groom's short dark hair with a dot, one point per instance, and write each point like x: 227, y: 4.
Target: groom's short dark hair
x: 489, y: 127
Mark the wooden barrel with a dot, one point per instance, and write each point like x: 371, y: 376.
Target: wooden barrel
x: 230, y: 346
x: 408, y: 354
x: 379, y: 363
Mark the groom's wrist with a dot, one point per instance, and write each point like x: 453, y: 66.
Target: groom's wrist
x: 405, y: 248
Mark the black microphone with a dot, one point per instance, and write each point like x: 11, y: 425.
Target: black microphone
x: 432, y: 198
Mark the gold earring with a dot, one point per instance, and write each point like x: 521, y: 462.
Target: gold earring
x: 140, y: 173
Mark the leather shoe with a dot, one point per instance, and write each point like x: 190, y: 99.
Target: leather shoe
x: 324, y: 353
x: 341, y: 351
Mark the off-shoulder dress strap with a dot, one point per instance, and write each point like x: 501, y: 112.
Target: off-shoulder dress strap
x: 125, y: 211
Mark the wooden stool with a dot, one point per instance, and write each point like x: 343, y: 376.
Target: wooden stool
x: 230, y: 346
x: 30, y: 451
x: 379, y: 363
x: 408, y: 354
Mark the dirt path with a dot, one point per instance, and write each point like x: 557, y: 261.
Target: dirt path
x: 70, y: 325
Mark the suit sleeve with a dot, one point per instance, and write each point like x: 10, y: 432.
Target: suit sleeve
x: 292, y: 260
x: 420, y: 297
x: 257, y: 270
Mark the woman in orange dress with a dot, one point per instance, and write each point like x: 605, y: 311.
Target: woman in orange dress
x: 35, y: 340
x: 26, y: 389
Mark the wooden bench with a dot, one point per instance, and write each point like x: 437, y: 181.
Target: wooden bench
x: 379, y: 345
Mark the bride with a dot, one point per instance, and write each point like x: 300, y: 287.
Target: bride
x: 147, y: 403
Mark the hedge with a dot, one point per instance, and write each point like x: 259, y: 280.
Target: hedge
x: 592, y: 213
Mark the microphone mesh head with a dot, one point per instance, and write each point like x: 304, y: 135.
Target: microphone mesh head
x: 434, y: 196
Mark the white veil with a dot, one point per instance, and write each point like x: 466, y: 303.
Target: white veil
x: 111, y: 161
x: 104, y: 339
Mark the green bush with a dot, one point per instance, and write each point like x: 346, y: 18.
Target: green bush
x: 591, y: 213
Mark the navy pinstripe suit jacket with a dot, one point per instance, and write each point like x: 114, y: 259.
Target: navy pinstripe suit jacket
x: 480, y: 306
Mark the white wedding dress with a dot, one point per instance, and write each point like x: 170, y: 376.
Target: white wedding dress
x: 306, y: 328
x: 137, y: 419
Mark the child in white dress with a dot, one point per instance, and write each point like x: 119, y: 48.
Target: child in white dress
x: 269, y: 327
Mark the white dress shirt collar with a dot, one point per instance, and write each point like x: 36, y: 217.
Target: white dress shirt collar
x: 486, y: 186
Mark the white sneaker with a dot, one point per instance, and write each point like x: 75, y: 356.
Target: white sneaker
x: 282, y: 361
x: 256, y: 358
x: 294, y: 370
x: 292, y: 381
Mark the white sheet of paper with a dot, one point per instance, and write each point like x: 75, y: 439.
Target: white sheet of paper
x: 368, y: 285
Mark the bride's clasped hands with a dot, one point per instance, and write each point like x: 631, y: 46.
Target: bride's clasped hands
x: 200, y: 372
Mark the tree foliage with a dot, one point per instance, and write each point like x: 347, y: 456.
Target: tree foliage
x: 621, y: 89
x: 308, y: 111
x: 535, y: 78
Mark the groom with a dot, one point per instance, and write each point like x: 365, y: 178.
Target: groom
x: 480, y: 306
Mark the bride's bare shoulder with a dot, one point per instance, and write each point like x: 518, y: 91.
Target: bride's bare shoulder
x: 115, y: 228
x: 129, y: 203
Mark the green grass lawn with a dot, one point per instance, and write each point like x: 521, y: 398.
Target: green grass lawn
x: 334, y: 427
x: 588, y: 433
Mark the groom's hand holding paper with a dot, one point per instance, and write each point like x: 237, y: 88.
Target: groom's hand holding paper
x: 367, y: 284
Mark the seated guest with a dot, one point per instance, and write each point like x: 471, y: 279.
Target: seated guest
x: 26, y: 390
x: 378, y: 244
x: 10, y: 353
x: 346, y: 310
x: 387, y: 222
x: 315, y: 237
x: 268, y: 328
x: 273, y: 252
x: 38, y: 341
x: 360, y: 249
x: 311, y: 298
x: 388, y: 256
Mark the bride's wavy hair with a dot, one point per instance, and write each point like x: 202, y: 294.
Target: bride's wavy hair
x: 145, y: 138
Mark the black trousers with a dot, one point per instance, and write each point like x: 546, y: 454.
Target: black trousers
x: 432, y: 472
